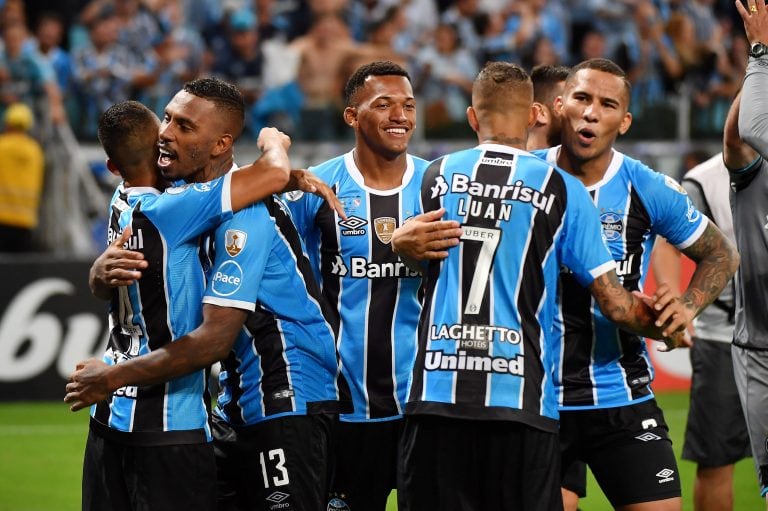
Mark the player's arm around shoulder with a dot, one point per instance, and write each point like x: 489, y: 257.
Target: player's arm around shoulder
x: 269, y: 174
x: 115, y: 267
x: 425, y: 237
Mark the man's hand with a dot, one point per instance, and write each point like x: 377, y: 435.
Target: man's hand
x: 673, y: 316
x: 271, y: 137
x: 425, y: 236
x: 88, y: 384
x: 307, y: 182
x: 116, y: 267
x: 678, y: 338
x: 755, y: 18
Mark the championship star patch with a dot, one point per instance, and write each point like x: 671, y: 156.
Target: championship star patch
x: 384, y: 227
x: 234, y: 241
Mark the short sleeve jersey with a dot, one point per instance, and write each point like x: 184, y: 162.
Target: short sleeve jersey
x: 485, y: 336
x: 373, y: 296
x: 161, y: 306
x: 284, y: 361
x: 600, y: 364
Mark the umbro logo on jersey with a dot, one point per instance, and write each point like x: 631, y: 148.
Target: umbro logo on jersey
x: 665, y: 475
x: 352, y: 226
x: 234, y: 241
x: 277, y: 497
x: 384, y: 227
x: 648, y: 437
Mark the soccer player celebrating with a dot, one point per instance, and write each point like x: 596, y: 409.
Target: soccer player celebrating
x: 481, y: 418
x: 372, y: 294
x: 608, y: 412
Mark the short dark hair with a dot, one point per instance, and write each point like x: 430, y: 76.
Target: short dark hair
x: 124, y: 131
x: 500, y: 85
x: 377, y: 68
x: 606, y: 66
x: 545, y: 78
x: 224, y: 95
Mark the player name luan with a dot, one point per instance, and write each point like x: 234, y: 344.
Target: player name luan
x: 461, y: 183
x: 135, y: 242
x: 460, y: 332
x: 438, y: 360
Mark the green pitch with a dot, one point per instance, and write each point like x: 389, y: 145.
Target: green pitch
x: 41, y: 450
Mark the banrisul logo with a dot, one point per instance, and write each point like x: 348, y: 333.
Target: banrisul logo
x: 613, y: 225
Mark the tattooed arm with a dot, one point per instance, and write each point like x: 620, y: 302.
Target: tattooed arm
x: 93, y: 380
x: 716, y: 261
x: 633, y: 311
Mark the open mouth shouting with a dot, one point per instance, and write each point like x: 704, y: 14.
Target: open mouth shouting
x: 165, y: 158
x: 586, y: 136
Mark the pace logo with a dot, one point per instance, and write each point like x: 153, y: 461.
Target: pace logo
x: 234, y: 241
x: 202, y: 187
x: 227, y: 279
x: 384, y: 227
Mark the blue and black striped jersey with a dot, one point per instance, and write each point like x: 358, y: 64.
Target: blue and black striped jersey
x: 164, y: 304
x: 372, y: 294
x: 284, y: 361
x: 485, y: 336
x: 601, y: 365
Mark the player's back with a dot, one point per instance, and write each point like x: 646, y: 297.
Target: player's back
x: 161, y: 306
x: 485, y: 336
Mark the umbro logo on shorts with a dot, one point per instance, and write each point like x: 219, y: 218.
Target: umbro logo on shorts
x: 648, y: 437
x: 665, y: 475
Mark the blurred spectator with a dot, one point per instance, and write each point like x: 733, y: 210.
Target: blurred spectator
x: 28, y: 77
x: 530, y: 21
x: 591, y: 46
x: 103, y: 72
x: 241, y: 62
x: 321, y: 54
x: 50, y: 34
x: 179, y: 54
x: 461, y: 15
x: 21, y: 180
x: 444, y: 78
x: 652, y: 58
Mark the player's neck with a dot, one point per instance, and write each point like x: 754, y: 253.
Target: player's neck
x: 503, y: 130
x: 216, y: 168
x: 537, y: 139
x: 380, y: 172
x: 588, y: 172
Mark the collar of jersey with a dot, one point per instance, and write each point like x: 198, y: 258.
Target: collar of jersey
x: 357, y: 176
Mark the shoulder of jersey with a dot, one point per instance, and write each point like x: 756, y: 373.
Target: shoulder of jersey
x: 329, y: 168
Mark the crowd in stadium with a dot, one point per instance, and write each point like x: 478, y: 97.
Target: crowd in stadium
x: 291, y: 58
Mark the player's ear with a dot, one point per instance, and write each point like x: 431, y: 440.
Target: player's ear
x: 472, y: 119
x: 113, y: 168
x: 223, y: 144
x: 557, y: 105
x: 350, y: 116
x: 626, y: 122
x: 538, y: 116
